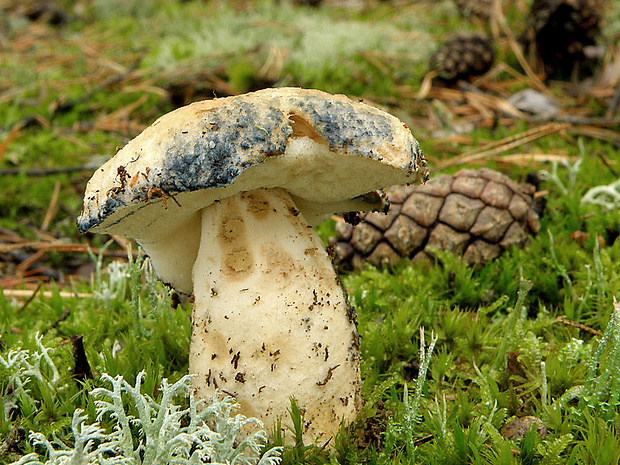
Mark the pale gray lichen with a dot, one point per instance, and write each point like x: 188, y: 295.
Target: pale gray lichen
x: 159, y: 433
x: 606, y: 196
x: 572, y: 172
x: 22, y: 367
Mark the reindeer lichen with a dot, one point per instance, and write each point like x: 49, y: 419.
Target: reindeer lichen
x: 23, y: 366
x: 159, y: 432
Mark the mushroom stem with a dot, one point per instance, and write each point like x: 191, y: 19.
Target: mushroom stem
x: 271, y: 319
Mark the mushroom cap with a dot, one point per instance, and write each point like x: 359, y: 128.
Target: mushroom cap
x: 323, y: 149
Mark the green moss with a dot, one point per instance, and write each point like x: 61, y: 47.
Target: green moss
x: 468, y: 394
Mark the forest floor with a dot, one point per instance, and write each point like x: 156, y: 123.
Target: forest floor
x: 525, y: 363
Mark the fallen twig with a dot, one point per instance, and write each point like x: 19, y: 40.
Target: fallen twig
x: 606, y: 162
x: 29, y: 277
x: 591, y: 121
x: 59, y: 106
x: 30, y: 294
x: 611, y: 136
x: 29, y: 299
x: 26, y: 264
x: 587, y: 329
x: 489, y: 101
x: 62, y: 318
x: 59, y: 247
x: 13, y: 134
x: 526, y: 159
x: 500, y: 19
x: 52, y: 208
x: 423, y: 440
x: 495, y: 148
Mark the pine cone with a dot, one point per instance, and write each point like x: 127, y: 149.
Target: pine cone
x: 476, y: 213
x: 559, y: 30
x: 463, y: 56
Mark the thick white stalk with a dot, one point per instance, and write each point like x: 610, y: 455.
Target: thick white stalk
x: 271, y: 319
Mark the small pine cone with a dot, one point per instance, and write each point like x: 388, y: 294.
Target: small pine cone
x: 475, y: 213
x: 463, y: 56
x: 475, y: 8
x: 559, y: 30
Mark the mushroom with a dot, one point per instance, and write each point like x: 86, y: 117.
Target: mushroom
x: 222, y: 195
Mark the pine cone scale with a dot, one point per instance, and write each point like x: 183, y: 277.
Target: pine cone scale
x: 518, y: 207
x: 496, y: 194
x: 492, y: 223
x: 423, y: 208
x: 405, y: 235
x: 460, y: 212
x: 469, y: 186
x: 443, y: 237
